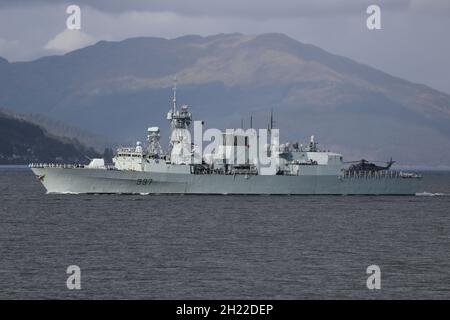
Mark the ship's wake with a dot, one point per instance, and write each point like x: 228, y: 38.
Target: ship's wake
x: 432, y: 194
x: 62, y: 192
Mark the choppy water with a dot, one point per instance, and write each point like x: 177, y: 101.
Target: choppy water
x: 222, y: 247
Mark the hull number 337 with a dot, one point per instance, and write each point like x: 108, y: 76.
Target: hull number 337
x: 143, y: 181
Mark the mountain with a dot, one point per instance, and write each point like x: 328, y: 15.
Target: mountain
x: 22, y: 142
x: 118, y: 89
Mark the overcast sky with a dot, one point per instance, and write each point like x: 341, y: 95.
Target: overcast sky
x: 413, y: 42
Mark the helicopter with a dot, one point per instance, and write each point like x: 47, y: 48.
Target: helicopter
x: 364, y: 165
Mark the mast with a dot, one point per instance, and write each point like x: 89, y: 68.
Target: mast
x: 174, y: 108
x: 180, y: 144
x: 271, y: 122
x: 271, y: 119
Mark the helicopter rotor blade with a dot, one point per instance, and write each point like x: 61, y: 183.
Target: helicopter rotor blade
x: 371, y: 161
x: 379, y: 161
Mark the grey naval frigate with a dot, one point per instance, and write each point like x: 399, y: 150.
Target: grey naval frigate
x: 229, y: 169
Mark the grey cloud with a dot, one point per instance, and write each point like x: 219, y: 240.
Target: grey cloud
x: 254, y: 9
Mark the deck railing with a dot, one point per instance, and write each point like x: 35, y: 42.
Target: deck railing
x: 67, y: 166
x: 379, y: 174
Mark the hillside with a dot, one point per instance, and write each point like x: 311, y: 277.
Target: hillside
x: 59, y: 128
x: 118, y: 89
x: 22, y: 142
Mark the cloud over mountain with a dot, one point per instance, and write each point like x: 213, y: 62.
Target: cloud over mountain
x: 69, y: 40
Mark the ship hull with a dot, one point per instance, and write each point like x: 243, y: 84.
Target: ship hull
x: 59, y: 180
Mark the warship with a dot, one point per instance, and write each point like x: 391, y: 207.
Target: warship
x: 242, y: 162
